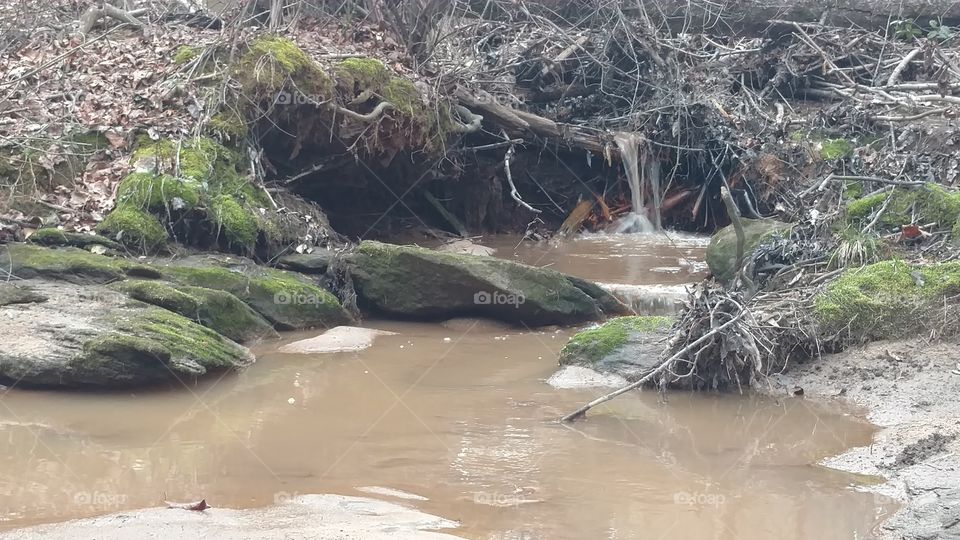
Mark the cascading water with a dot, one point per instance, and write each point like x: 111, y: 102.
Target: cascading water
x: 635, y: 221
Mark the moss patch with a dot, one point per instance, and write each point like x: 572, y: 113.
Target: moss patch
x: 229, y: 124
x: 885, y: 300
x: 832, y: 149
x: 594, y: 344
x: 72, y: 264
x: 156, y: 344
x: 134, y: 228
x: 927, y: 204
x: 359, y: 74
x: 275, y: 63
x: 184, y: 54
x: 286, y: 300
x: 210, y: 187
x: 215, y: 309
x: 238, y: 224
x: 158, y: 192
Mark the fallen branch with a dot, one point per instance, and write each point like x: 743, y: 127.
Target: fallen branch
x: 94, y: 13
x: 582, y: 411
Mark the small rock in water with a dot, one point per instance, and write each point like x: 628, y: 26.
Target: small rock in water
x: 581, y: 377
x: 338, y: 339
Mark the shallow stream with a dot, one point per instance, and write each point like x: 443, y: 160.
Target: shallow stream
x: 455, y: 419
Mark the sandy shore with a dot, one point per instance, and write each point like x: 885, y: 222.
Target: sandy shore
x: 912, y: 391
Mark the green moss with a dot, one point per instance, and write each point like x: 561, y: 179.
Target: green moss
x: 404, y: 96
x: 157, y: 192
x: 229, y: 124
x: 238, y: 224
x: 55, y: 237
x: 215, y: 309
x: 210, y: 181
x: 359, y: 74
x: 71, y: 264
x: 885, y: 300
x: 201, y: 159
x: 831, y: 149
x: 852, y: 191
x: 274, y: 63
x: 155, y: 344
x: 184, y: 54
x: 134, y: 228
x: 798, y: 135
x: 281, y: 297
x: 930, y: 203
x: 594, y: 344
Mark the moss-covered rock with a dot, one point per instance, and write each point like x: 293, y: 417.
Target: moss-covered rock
x: 210, y: 188
x: 71, y: 264
x: 416, y: 282
x: 134, y: 228
x: 601, y: 347
x: 288, y: 301
x: 218, y: 310
x: 158, y: 192
x: 886, y: 300
x: 93, y: 338
x: 930, y: 203
x: 722, y: 252
x: 55, y: 237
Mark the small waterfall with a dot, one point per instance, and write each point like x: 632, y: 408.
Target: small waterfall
x: 636, y: 221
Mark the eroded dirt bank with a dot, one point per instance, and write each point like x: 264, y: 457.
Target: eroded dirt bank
x: 911, y: 389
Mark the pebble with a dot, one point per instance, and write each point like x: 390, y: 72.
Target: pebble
x: 291, y: 401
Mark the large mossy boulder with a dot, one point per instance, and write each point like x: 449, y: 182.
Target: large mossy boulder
x: 889, y: 299
x: 218, y: 310
x: 722, y: 252
x: 287, y: 300
x: 625, y: 346
x: 416, y: 282
x: 91, y: 337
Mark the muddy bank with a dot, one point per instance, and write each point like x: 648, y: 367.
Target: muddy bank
x: 307, y: 516
x: 910, y: 389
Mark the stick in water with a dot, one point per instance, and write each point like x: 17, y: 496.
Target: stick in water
x: 582, y: 411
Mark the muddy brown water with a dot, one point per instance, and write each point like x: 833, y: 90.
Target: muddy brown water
x: 458, y: 414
